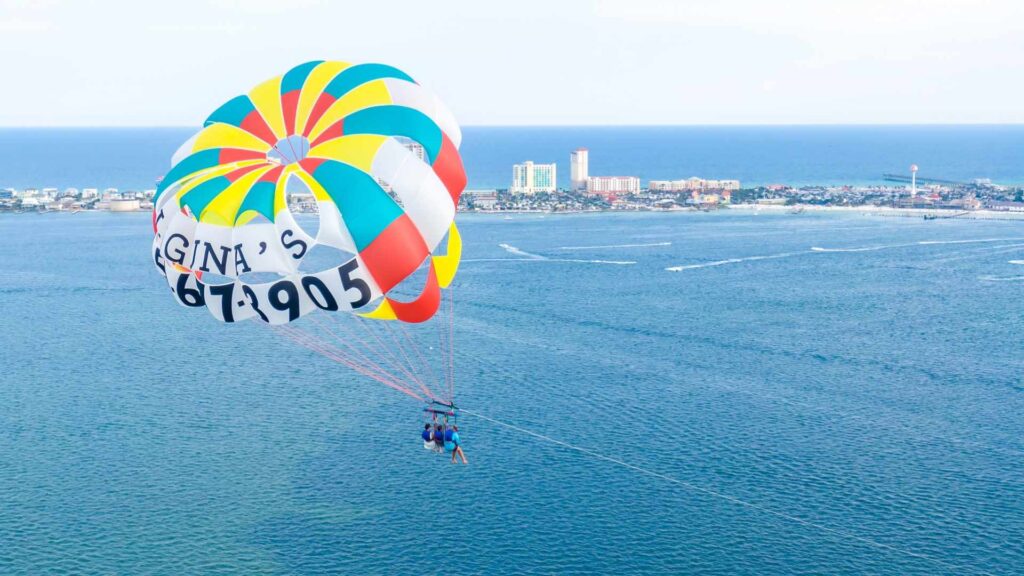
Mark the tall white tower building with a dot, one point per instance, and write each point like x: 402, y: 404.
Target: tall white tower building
x: 913, y: 180
x: 579, y: 169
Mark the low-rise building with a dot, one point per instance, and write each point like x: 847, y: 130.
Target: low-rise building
x: 480, y: 199
x: 692, y: 184
x: 1006, y: 206
x: 613, y: 185
x: 124, y: 205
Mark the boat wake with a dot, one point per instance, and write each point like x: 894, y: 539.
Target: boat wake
x: 931, y: 242
x: 513, y: 250
x: 920, y: 243
x: 531, y: 257
x: 608, y: 246
x: 613, y: 262
x: 861, y: 249
x: 551, y: 260
x: 1001, y: 278
x: 731, y: 261
x: 1021, y: 262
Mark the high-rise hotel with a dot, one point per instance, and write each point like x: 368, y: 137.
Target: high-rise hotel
x: 530, y: 178
x: 579, y: 169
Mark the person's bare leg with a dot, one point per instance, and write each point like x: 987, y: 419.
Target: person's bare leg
x: 458, y: 450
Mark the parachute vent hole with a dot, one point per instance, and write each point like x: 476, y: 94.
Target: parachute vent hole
x: 260, y: 277
x: 310, y: 223
x: 213, y: 279
x: 321, y: 257
x: 289, y: 150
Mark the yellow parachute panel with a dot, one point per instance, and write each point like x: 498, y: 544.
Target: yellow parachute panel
x: 313, y: 88
x: 357, y: 150
x: 220, y: 135
x: 267, y: 99
x: 223, y: 209
x: 382, y: 312
x: 448, y: 264
x: 370, y: 94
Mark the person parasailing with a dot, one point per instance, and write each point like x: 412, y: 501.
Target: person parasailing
x: 456, y: 445
x: 428, y: 437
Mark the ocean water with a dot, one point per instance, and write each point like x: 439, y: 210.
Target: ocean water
x: 780, y: 394
x: 797, y: 155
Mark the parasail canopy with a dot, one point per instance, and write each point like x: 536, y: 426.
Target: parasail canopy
x: 373, y: 150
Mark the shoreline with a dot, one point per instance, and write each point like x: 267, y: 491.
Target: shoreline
x: 794, y: 210
x: 938, y: 213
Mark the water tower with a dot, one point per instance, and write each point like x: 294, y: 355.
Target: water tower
x: 913, y: 180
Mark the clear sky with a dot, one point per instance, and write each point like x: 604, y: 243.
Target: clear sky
x: 135, y: 62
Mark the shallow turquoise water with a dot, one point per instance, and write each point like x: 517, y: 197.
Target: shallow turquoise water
x: 875, y: 393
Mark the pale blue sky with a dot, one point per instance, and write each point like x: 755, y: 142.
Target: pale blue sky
x: 528, y: 62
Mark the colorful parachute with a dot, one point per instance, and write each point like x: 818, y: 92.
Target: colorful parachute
x: 375, y: 151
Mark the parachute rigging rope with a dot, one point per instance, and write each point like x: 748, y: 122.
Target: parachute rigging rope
x: 451, y: 344
x: 733, y: 499
x: 366, y: 360
x: 334, y: 354
x: 441, y: 350
x: 412, y: 367
x: 424, y: 367
x: 394, y: 357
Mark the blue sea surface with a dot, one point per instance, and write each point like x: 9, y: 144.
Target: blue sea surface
x: 779, y: 394
x: 133, y: 158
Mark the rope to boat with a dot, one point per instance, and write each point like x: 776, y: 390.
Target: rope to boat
x: 733, y: 499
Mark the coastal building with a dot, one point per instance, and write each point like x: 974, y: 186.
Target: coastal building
x: 480, y: 199
x: 530, y: 178
x: 124, y: 205
x: 613, y: 185
x: 1006, y: 206
x: 692, y: 184
x: 579, y: 169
